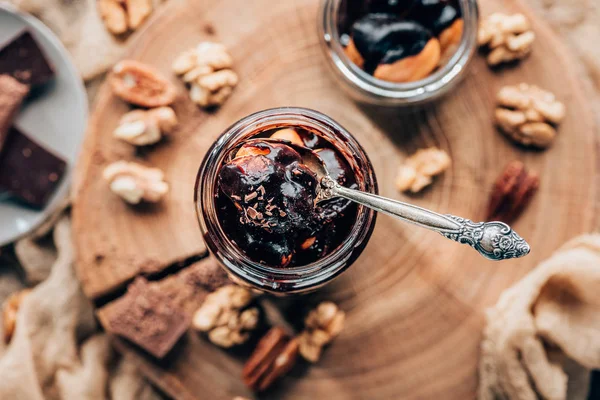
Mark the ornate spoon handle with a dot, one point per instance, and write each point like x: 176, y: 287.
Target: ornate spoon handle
x: 493, y: 240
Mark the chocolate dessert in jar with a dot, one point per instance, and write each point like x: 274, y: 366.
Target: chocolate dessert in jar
x: 256, y: 201
x: 398, y: 52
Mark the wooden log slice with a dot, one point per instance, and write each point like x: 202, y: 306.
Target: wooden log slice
x: 414, y: 300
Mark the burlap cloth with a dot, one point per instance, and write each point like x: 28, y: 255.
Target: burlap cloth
x: 538, y: 327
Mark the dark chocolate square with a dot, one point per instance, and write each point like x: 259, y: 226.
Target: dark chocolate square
x: 148, y: 317
x: 28, y: 171
x: 23, y: 59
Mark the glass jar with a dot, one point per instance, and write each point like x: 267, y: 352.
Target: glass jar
x: 364, y: 87
x: 240, y: 267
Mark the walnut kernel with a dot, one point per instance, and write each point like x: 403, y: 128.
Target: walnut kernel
x: 527, y: 114
x: 135, y: 182
x: 145, y: 127
x: 119, y: 16
x: 418, y: 169
x: 322, y: 325
x: 207, y: 69
x: 225, y: 316
x: 9, y: 313
x: 508, y: 37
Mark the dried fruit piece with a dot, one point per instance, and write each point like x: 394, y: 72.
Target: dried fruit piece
x: 142, y: 85
x: 450, y: 40
x: 145, y: 127
x: 418, y: 169
x: 353, y: 54
x: 526, y: 114
x: 207, y: 69
x: 273, y: 357
x: 322, y: 325
x: 508, y: 37
x: 288, y: 134
x: 119, y: 16
x: 135, y: 182
x: 226, y: 317
x: 512, y: 192
x: 411, y: 68
x: 9, y: 312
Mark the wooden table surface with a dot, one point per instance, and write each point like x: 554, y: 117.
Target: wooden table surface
x: 414, y: 301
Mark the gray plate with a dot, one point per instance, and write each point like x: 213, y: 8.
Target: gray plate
x: 56, y: 118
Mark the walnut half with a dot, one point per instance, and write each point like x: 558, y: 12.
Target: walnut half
x: 135, y: 182
x: 322, y: 325
x: 226, y: 317
x: 207, y: 69
x: 119, y: 16
x: 512, y: 192
x: 508, y: 37
x: 527, y: 114
x: 418, y: 170
x: 145, y: 127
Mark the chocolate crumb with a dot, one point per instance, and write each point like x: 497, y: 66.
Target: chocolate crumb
x: 252, y: 213
x: 250, y: 197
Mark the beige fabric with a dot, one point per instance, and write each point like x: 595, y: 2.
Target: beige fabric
x: 548, y: 320
x: 57, y: 351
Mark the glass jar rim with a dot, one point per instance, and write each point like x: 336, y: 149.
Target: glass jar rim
x: 294, y: 279
x: 419, y: 91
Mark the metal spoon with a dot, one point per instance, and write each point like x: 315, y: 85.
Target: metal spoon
x: 493, y: 240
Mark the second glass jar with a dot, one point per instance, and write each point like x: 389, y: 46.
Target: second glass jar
x: 363, y: 87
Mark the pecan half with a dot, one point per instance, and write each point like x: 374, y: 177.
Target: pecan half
x: 142, y: 85
x: 512, y: 192
x: 274, y: 356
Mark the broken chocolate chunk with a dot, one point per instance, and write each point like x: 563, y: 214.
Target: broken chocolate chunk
x: 146, y: 316
x: 12, y: 93
x: 28, y: 171
x: 23, y: 59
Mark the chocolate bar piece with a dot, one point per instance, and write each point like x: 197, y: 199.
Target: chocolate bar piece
x: 148, y: 317
x: 12, y: 93
x: 25, y: 61
x: 28, y: 171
